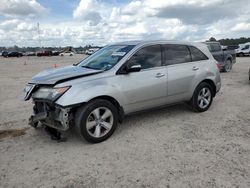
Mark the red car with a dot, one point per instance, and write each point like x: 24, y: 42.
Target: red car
x: 44, y: 53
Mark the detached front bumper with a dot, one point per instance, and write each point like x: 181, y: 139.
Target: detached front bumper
x: 50, y: 115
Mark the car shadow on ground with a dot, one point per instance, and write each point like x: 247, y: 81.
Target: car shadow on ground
x: 133, y: 121
x: 140, y: 119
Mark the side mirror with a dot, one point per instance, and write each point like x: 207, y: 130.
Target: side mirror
x: 134, y: 68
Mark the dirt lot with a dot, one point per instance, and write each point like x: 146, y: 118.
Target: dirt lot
x: 171, y: 147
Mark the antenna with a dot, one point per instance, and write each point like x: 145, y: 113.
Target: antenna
x: 38, y: 32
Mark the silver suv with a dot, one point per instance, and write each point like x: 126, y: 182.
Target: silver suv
x: 119, y: 79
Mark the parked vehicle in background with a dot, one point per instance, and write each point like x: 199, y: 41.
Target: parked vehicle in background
x: 91, y: 51
x: 30, y: 53
x: 123, y: 78
x: 44, y: 53
x: 68, y: 53
x: 55, y: 53
x: 232, y: 47
x: 13, y: 54
x: 243, y: 50
x: 226, y: 58
x: 5, y: 54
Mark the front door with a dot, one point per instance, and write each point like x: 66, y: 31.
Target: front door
x: 148, y: 87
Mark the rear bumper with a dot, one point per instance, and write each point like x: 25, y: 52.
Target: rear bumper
x: 218, y: 86
x: 50, y: 115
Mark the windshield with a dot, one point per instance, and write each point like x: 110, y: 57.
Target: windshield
x: 107, y: 57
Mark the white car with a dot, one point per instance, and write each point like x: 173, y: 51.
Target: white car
x: 66, y: 54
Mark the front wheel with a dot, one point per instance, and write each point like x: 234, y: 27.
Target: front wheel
x: 96, y: 121
x: 202, y: 97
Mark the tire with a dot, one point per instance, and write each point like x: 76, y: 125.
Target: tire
x: 241, y: 55
x: 228, y: 66
x: 198, y: 102
x: 91, y: 126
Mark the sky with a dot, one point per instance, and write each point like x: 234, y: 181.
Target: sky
x: 99, y: 22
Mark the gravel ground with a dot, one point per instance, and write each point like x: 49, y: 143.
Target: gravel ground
x: 171, y: 147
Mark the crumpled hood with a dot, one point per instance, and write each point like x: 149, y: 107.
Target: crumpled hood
x: 53, y: 76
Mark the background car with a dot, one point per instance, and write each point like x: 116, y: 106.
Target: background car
x: 13, y: 54
x: 30, y: 54
x: 232, y: 47
x: 5, y: 54
x: 67, y: 53
x: 55, y: 53
x: 226, y: 58
x: 44, y: 53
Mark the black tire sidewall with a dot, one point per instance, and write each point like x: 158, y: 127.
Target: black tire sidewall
x: 195, y: 97
x: 230, y: 64
x: 83, y: 113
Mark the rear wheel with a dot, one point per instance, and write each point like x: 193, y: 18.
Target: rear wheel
x: 96, y: 121
x: 202, y: 97
x: 228, y: 66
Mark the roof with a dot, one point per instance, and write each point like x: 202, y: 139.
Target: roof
x: 139, y: 43
x: 144, y: 42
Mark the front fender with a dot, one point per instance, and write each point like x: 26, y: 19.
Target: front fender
x: 84, y: 92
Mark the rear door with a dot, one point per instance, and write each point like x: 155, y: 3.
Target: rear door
x: 181, y: 70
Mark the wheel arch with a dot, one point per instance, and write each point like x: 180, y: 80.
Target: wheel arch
x: 114, y: 102
x: 229, y: 58
x: 211, y: 83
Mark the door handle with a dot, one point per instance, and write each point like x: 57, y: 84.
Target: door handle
x: 195, y: 68
x: 158, y: 75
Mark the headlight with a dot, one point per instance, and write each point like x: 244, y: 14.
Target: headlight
x: 50, y: 93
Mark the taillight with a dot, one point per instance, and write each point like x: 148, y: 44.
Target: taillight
x: 218, y: 66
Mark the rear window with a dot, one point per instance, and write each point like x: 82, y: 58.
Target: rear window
x: 196, y: 54
x: 176, y: 54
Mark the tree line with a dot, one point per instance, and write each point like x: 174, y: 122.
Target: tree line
x: 228, y: 41
x: 224, y: 42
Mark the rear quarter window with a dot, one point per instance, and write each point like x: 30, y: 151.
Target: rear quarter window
x: 196, y: 54
x: 214, y: 47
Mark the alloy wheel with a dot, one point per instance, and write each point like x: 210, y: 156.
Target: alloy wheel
x: 99, y: 122
x: 204, y: 98
x: 228, y: 66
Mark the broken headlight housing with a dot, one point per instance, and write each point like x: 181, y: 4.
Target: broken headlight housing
x: 49, y: 93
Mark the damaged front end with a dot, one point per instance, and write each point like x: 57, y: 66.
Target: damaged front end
x: 50, y: 115
x: 45, y: 109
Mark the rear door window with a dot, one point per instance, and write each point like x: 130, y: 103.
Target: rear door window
x: 196, y: 54
x: 176, y: 54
